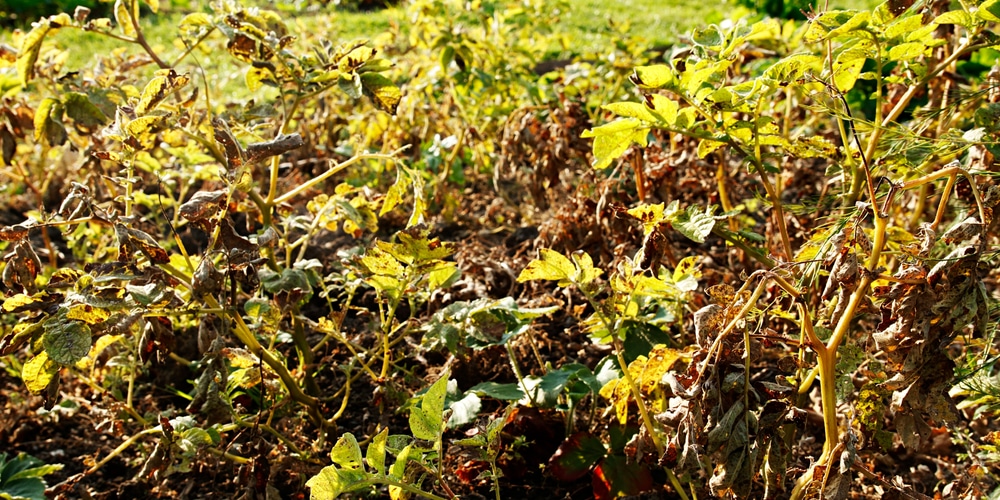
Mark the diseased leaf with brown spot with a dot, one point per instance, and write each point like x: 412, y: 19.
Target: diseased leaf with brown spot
x: 204, y: 205
x: 20, y: 335
x: 134, y: 240
x: 158, y: 89
x: 383, y: 92
x: 234, y: 153
x: 242, y: 47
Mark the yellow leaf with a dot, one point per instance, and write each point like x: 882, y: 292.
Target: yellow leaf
x: 552, y: 266
x: 38, y: 372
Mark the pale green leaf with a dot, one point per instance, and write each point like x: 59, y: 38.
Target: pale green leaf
x: 347, y: 453
x: 906, y: 51
x: 613, y: 139
x: 426, y: 421
x: 398, y: 470
x: 959, y: 17
x: 375, y: 454
x: 552, y: 266
x: 694, y: 223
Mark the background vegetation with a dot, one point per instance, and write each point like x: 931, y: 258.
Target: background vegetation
x: 506, y: 249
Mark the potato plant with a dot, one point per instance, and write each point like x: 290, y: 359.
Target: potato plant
x: 760, y: 263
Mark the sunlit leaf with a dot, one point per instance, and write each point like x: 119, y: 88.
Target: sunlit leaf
x: 427, y: 419
x: 347, y: 453
x: 382, y: 90
x: 38, y: 371
x: 552, y: 266
x: 612, y: 140
x: 66, y: 341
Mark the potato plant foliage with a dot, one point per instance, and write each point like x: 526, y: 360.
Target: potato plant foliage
x: 760, y: 263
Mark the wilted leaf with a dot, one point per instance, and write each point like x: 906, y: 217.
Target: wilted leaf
x: 158, y: 89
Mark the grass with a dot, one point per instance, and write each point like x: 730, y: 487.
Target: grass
x: 592, y: 27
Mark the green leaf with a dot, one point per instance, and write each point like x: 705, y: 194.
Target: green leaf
x: 503, y: 392
x: 375, y: 454
x: 66, y: 341
x: 84, y: 112
x: 427, y: 419
x: 552, y: 266
x: 21, y: 477
x: 694, y: 223
x: 382, y: 90
x: 989, y: 11
x: 48, y: 122
x: 38, y: 372
x: 613, y: 139
x: 906, y: 51
x: 465, y: 410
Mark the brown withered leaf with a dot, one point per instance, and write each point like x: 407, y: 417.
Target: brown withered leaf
x: 204, y: 205
x: 134, y: 240
x: 14, y: 233
x: 234, y: 153
x: 23, y: 266
x: 279, y: 145
x: 207, y: 280
x: 242, y: 47
x: 231, y: 242
x: 8, y: 144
